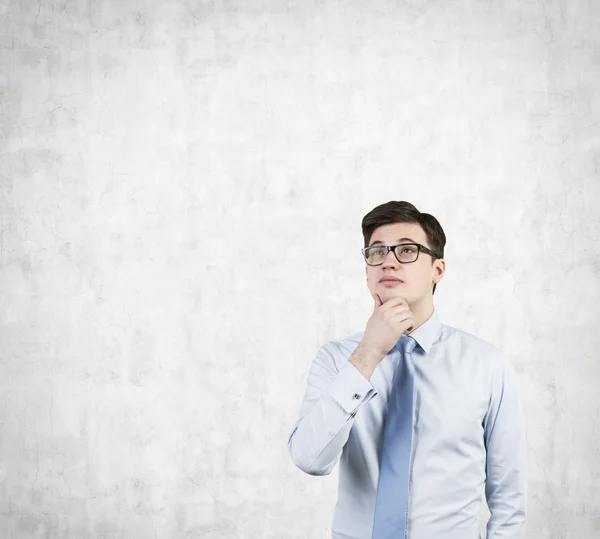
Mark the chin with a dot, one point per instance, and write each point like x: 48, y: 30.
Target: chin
x: 388, y: 294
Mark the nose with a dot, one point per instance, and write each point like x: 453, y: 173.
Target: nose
x: 389, y: 260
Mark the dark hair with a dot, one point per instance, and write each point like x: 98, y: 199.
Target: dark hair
x: 404, y: 212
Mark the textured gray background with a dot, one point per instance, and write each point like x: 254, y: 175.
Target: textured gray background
x: 182, y: 185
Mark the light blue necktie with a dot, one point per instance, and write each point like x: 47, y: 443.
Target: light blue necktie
x: 391, y: 506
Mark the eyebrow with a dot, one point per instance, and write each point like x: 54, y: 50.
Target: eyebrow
x: 400, y: 240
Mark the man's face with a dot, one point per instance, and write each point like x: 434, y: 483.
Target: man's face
x: 418, y: 277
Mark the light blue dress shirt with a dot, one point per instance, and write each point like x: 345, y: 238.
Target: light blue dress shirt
x: 469, y: 430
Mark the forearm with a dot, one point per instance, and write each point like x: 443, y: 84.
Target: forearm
x: 506, y: 482
x: 365, y: 361
x: 319, y: 435
x: 507, y: 494
x: 317, y: 441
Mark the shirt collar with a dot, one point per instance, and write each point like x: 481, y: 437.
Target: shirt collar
x: 428, y: 332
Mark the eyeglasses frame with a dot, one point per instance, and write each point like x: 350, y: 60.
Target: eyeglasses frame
x: 392, y: 248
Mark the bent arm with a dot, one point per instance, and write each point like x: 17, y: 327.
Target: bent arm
x: 327, y: 412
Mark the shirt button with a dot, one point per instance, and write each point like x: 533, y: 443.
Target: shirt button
x: 356, y: 396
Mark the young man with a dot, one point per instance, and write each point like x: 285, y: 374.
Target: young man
x: 420, y: 414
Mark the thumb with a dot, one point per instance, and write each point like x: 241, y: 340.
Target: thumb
x: 378, y: 301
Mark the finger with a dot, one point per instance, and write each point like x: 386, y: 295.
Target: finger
x: 402, y: 317
x: 398, y: 313
x: 394, y: 304
x: 378, y: 301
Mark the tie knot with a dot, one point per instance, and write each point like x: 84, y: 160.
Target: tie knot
x: 406, y: 344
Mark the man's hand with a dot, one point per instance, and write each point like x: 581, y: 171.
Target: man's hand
x: 388, y: 322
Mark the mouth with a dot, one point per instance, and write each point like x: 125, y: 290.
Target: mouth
x: 391, y: 281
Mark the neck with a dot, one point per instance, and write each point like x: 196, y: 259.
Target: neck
x: 421, y: 311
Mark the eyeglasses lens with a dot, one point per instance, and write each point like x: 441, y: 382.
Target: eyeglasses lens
x: 405, y: 253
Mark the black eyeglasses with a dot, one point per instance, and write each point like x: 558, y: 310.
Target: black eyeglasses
x: 405, y: 253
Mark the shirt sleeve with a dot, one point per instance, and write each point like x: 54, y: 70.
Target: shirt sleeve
x: 506, y: 456
x: 331, y: 400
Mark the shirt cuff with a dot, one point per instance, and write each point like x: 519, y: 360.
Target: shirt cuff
x: 351, y: 389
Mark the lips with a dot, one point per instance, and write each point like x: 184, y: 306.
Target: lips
x: 390, y: 280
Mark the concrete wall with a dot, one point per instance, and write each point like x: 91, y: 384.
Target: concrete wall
x: 181, y: 189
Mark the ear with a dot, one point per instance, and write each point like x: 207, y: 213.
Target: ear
x: 440, y: 266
